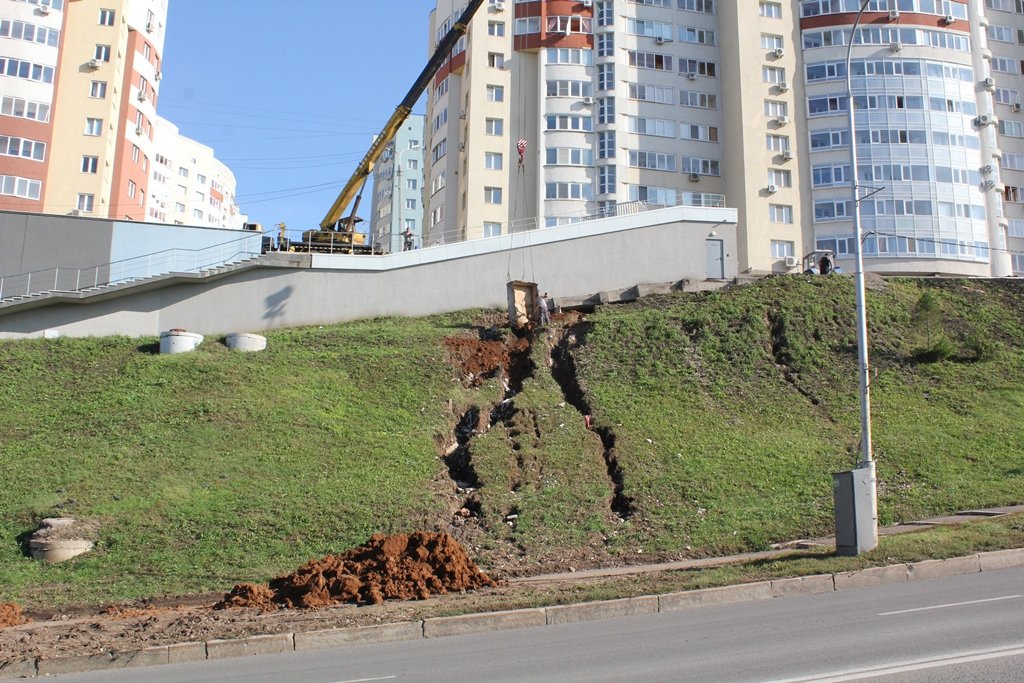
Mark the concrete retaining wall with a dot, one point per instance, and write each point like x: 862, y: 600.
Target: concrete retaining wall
x: 665, y: 245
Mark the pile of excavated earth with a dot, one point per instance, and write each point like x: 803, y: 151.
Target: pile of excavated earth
x: 11, y: 615
x: 398, y: 567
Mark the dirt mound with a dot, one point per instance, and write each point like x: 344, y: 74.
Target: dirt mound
x: 476, y: 359
x: 399, y: 567
x: 11, y: 615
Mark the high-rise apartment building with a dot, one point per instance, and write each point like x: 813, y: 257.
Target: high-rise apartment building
x: 705, y: 102
x: 398, y: 189
x: 80, y: 81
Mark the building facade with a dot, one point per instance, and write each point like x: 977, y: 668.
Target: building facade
x: 189, y: 185
x: 398, y: 188
x: 742, y: 103
x: 80, y: 82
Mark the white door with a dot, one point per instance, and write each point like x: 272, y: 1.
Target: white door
x: 715, y: 250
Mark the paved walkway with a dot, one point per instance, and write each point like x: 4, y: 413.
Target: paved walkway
x: 779, y: 550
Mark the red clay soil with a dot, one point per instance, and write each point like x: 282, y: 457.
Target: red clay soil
x: 399, y: 567
x: 475, y: 358
x: 11, y: 615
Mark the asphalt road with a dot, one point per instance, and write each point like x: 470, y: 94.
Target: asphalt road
x: 963, y: 628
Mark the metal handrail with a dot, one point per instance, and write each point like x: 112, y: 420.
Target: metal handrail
x: 126, y: 270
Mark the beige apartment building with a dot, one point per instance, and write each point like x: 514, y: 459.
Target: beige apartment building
x: 80, y: 83
x: 624, y: 105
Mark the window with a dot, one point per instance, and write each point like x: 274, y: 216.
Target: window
x: 771, y: 10
x: 779, y: 177
x: 493, y: 161
x: 777, y: 143
x: 605, y: 76
x: 780, y: 213
x: 492, y: 229
x: 98, y: 89
x: 492, y: 195
x: 179, y: 207
x: 569, y: 191
x: 197, y: 213
x: 93, y: 126
x: 649, y: 60
x: 773, y: 108
x: 495, y: 93
x: 494, y: 126
x: 410, y: 204
x: 437, y: 215
x: 773, y: 74
x: 496, y: 28
x: 606, y: 144
x: 711, y: 167
x: 21, y: 147
x: 606, y: 45
x: 85, y: 202
x: 102, y: 53
x: 412, y: 184
x: 652, y: 93
x: 25, y: 109
x: 412, y: 164
x: 657, y: 161
x: 90, y: 164
x: 496, y: 60
x: 131, y: 189
x: 200, y: 178
x: 569, y: 122
x: 606, y: 180
x: 20, y: 30
x: 440, y: 149
x: 698, y: 100
x: 650, y: 126
x: 770, y: 41
x: 527, y: 25
x: 183, y: 172
x: 782, y: 249
x: 135, y: 153
x: 27, y: 70
x: 606, y: 110
x: 106, y: 17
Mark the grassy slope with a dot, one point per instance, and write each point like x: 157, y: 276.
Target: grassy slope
x: 749, y: 397
x: 214, y: 467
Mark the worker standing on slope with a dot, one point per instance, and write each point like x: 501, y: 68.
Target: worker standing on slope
x: 542, y: 307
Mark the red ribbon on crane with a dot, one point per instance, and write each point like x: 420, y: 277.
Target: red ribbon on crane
x: 521, y: 148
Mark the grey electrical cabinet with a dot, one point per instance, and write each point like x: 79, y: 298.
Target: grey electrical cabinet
x: 856, y: 525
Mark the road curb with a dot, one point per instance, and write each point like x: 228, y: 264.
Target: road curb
x: 440, y: 627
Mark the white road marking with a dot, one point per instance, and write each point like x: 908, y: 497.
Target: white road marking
x: 913, y: 665
x: 950, y: 604
x: 364, y: 680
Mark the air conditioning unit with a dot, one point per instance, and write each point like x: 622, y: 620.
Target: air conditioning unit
x: 791, y: 261
x: 692, y: 75
x: 989, y: 184
x: 783, y: 86
x: 894, y: 14
x: 782, y: 120
x: 462, y: 146
x: 659, y: 40
x: 44, y: 9
x: 779, y: 53
x: 75, y: 212
x: 948, y: 19
x: 498, y: 6
x: 787, y: 155
x: 1016, y: 106
x: 694, y: 177
x: 139, y: 130
x: 93, y: 64
x: 142, y: 96
x: 986, y: 54
x: 149, y: 27
x: 462, y: 114
x: 588, y: 3
x: 895, y: 47
x: 985, y: 120
x: 772, y: 189
x: 158, y: 76
x: 990, y: 83
x: 588, y: 100
x: 986, y: 169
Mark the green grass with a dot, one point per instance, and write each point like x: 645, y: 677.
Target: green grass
x: 730, y: 409
x: 733, y: 408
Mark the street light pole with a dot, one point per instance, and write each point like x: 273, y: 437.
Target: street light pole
x: 864, y: 538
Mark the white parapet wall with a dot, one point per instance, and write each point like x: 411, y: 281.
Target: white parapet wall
x: 580, y: 260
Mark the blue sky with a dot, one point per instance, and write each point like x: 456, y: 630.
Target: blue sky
x: 290, y: 92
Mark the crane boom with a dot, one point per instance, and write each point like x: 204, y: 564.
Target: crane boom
x: 362, y: 172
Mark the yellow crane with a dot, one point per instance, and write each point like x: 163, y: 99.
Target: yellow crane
x: 338, y: 232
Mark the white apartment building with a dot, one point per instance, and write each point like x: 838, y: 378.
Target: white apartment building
x: 742, y: 103
x: 188, y: 185
x: 398, y: 189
